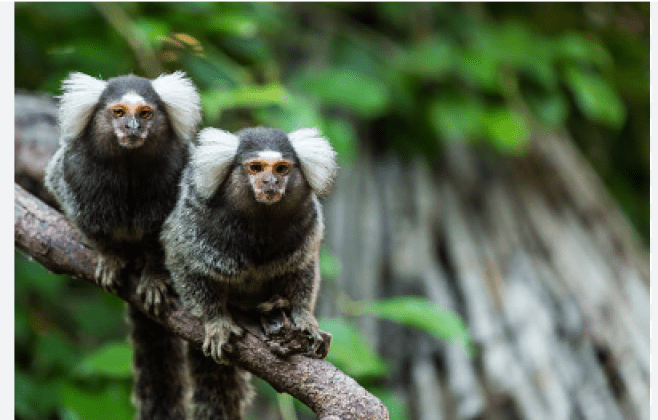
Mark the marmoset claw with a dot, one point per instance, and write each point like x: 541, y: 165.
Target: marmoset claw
x: 108, y: 270
x: 152, y: 290
x: 218, y: 332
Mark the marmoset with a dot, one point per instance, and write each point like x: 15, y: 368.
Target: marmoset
x: 124, y: 143
x: 247, y: 229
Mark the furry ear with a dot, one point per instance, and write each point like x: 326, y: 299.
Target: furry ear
x: 77, y: 102
x: 182, y: 102
x: 212, y: 159
x: 317, y: 157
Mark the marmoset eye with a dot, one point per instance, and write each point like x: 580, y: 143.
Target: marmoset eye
x: 282, y: 169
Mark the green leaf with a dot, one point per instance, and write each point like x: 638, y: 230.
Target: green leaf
x: 298, y: 112
x: 365, y: 96
x: 63, y: 13
x: 506, y: 130
x: 99, y: 314
x: 514, y: 44
x: 458, y: 118
x: 249, y: 96
x: 596, y: 98
x: 32, y: 276
x: 480, y: 70
x: 342, y: 136
x: 112, y: 401
x: 350, y: 352
x: 233, y: 24
x: 91, y: 54
x: 357, y: 54
x: 33, y: 398
x: 214, y: 68
x: 421, y: 314
x: 552, y: 109
x: 154, y: 30
x: 575, y: 46
x: 113, y: 360
x: 394, y: 401
x: 53, y: 351
x: 434, y: 58
x: 542, y: 72
x: 22, y: 328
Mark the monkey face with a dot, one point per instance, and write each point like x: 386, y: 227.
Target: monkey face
x: 268, y: 176
x: 131, y: 119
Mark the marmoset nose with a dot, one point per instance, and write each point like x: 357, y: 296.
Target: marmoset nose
x: 269, y: 179
x: 132, y: 124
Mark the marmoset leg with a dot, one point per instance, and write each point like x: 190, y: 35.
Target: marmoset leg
x: 302, y: 292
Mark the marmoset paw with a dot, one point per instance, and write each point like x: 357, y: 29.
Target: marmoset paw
x: 152, y: 290
x: 307, y: 323
x: 218, y: 332
x: 108, y: 270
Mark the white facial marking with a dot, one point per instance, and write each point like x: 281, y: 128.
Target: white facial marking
x: 132, y: 98
x: 269, y: 154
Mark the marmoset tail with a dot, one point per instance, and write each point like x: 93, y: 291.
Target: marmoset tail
x: 247, y: 229
x: 124, y: 144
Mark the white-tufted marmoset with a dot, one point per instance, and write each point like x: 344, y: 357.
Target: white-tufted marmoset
x: 124, y: 143
x: 247, y: 228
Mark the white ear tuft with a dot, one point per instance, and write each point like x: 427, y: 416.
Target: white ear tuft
x: 80, y: 96
x: 317, y: 157
x: 182, y: 102
x: 213, y: 158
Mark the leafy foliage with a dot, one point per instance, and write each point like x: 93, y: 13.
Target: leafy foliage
x: 350, y: 353
x: 422, y: 314
x: 68, y: 360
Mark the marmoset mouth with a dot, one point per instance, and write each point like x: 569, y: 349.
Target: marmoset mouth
x: 131, y: 142
x: 269, y: 196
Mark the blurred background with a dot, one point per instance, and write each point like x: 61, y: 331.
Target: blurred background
x: 486, y: 253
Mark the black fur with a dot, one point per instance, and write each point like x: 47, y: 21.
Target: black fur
x: 132, y: 190
x: 263, y: 235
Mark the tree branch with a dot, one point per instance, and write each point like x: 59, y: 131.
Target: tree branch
x: 50, y: 238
